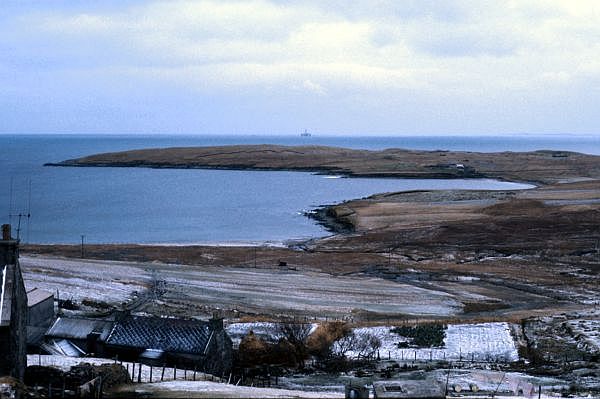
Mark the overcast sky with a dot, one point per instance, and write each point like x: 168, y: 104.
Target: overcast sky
x: 278, y: 67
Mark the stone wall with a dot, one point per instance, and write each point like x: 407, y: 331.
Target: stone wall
x: 219, y: 356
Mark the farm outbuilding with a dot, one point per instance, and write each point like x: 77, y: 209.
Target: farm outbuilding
x: 77, y: 336
x: 191, y: 343
x: 158, y: 341
x: 40, y: 308
x: 421, y: 388
x: 40, y: 315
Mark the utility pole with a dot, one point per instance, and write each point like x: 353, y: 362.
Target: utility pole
x: 82, y: 238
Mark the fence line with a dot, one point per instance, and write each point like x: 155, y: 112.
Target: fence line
x: 138, y: 372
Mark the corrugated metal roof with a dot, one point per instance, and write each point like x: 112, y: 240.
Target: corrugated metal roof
x: 36, y: 295
x: 169, y: 335
x: 79, y: 328
x: 68, y: 348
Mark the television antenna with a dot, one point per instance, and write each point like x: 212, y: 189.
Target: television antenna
x: 21, y: 214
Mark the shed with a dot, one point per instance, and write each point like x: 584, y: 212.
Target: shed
x: 86, y: 333
x: 40, y: 308
x: 409, y: 389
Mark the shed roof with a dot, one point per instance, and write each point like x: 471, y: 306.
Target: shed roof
x: 36, y: 295
x: 79, y: 328
x: 169, y: 335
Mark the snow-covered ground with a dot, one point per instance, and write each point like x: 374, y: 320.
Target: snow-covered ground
x: 480, y: 342
x: 265, y: 330
x: 204, y: 386
x: 252, y: 290
x: 206, y: 389
x: 105, y: 281
x: 587, y: 333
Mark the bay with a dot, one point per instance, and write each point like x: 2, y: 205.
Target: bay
x: 170, y: 206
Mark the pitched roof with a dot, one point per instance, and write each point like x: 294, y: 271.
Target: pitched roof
x: 36, y: 295
x: 169, y: 335
x: 79, y: 328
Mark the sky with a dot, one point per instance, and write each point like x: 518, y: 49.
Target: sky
x: 378, y: 67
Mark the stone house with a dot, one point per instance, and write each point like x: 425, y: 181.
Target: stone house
x: 13, y: 309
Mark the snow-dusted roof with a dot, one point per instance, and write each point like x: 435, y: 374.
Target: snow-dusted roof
x: 169, y: 335
x: 36, y: 295
x: 70, y: 328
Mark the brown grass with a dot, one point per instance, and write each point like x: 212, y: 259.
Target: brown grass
x: 325, y: 335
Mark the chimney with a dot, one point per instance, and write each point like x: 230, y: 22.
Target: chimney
x: 216, y: 322
x: 9, y: 248
x: 6, y: 232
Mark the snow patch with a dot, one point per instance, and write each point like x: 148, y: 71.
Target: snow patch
x: 480, y: 342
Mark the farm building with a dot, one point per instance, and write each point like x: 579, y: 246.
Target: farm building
x: 416, y: 385
x: 13, y: 309
x: 204, y: 345
x: 77, y: 337
x: 191, y: 343
x: 40, y: 314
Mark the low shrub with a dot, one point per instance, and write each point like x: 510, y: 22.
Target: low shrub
x: 423, y: 335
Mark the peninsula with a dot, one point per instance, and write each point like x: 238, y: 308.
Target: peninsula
x: 539, y: 166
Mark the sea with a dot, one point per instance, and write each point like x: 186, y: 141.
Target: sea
x: 196, y: 206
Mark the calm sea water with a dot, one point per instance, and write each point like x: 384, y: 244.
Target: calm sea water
x: 202, y: 206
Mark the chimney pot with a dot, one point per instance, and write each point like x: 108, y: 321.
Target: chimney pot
x: 6, y: 232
